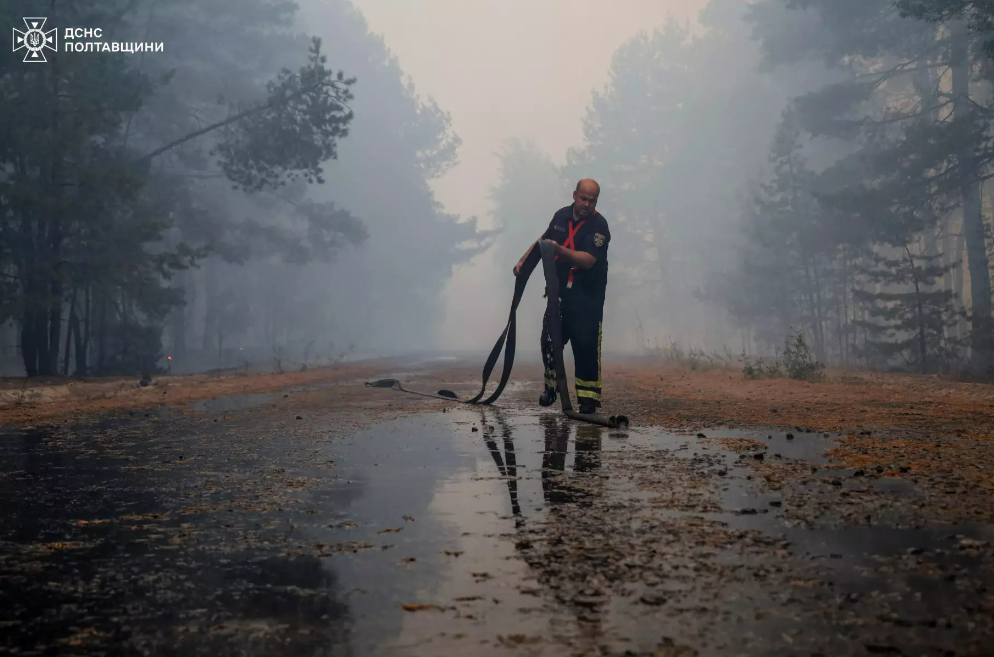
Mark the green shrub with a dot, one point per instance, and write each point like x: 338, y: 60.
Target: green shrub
x: 797, y: 363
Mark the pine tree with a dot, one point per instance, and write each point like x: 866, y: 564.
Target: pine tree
x: 909, y: 316
x: 86, y: 211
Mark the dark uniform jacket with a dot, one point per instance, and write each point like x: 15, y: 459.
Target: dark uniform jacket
x: 592, y: 236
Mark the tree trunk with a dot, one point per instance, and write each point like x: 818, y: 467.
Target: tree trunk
x: 919, y: 316
x: 179, y: 319
x: 102, y: 303
x: 53, y: 237
x: 29, y: 343
x: 70, y: 330
x: 34, y: 321
x: 982, y: 333
x: 82, y: 339
x: 812, y: 306
x: 866, y: 331
x: 54, y: 324
x: 948, y: 251
x: 27, y: 255
x: 931, y: 248
x: 958, y: 279
x: 948, y: 279
x: 69, y: 344
x: 820, y: 345
x: 210, y: 304
x: 839, y: 332
x: 845, y: 302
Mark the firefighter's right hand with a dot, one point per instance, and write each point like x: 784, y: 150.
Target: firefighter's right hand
x: 517, y: 269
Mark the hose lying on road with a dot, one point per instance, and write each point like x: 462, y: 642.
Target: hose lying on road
x: 552, y: 294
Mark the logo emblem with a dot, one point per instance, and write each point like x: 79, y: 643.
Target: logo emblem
x: 598, y: 239
x: 35, y: 40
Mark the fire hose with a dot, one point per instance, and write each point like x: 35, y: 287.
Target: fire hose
x: 509, y: 334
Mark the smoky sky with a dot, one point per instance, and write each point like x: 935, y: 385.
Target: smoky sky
x: 507, y: 69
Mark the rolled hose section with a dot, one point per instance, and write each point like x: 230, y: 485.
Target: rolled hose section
x: 556, y: 329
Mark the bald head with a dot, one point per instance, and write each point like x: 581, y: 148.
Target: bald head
x: 585, y: 198
x: 590, y: 185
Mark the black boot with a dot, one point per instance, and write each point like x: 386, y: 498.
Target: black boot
x: 548, y: 397
x: 588, y: 408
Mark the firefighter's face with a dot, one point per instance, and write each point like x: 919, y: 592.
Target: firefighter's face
x: 585, y: 199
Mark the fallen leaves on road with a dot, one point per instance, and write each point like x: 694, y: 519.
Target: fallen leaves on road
x: 518, y: 640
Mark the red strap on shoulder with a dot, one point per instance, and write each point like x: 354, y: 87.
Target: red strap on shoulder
x: 569, y: 243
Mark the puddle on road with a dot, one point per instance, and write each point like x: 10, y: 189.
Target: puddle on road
x: 203, y: 543
x: 233, y: 402
x: 797, y: 444
x: 313, y: 546
x: 808, y: 447
x: 428, y: 491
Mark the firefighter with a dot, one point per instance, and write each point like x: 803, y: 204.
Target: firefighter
x: 581, y: 237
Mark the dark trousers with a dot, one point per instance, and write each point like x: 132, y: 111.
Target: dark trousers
x: 581, y: 321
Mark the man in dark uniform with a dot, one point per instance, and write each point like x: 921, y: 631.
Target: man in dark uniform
x: 581, y: 236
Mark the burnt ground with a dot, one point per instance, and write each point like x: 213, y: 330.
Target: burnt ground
x: 851, y: 517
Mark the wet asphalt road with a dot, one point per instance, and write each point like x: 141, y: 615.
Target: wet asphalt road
x: 240, y: 530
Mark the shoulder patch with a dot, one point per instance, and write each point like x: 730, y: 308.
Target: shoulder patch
x: 598, y: 239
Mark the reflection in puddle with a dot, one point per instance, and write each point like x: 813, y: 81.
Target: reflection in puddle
x: 543, y: 470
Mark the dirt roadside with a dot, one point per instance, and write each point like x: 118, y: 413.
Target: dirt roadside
x: 649, y: 393
x: 61, y: 400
